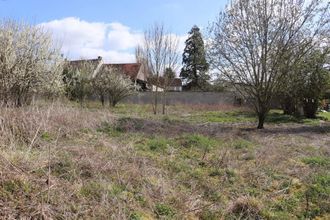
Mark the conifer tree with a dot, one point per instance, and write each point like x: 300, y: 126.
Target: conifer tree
x: 195, y: 66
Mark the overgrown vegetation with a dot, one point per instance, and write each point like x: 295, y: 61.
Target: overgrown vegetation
x: 63, y: 161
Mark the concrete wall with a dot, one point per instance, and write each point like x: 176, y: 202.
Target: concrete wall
x: 205, y: 98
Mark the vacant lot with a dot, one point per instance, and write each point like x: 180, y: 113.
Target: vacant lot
x: 198, y: 162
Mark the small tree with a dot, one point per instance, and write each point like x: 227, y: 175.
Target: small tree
x: 316, y: 77
x: 167, y: 80
x: 112, y: 83
x: 305, y: 83
x: 77, y: 79
x: 255, y: 43
x: 159, y: 51
x: 30, y: 63
x: 194, y: 62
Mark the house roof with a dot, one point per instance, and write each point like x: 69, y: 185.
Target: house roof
x: 77, y: 63
x: 129, y: 69
x: 176, y: 82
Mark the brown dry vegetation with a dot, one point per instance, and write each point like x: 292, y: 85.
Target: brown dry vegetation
x: 64, y: 162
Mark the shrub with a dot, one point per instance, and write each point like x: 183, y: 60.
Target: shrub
x: 30, y: 63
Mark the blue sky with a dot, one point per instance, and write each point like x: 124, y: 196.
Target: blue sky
x: 112, y: 29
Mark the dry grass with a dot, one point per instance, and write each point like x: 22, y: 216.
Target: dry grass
x: 64, y: 162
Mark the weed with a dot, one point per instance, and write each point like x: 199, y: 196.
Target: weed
x: 92, y: 190
x: 164, y: 210
x: 46, y: 136
x: 15, y: 185
x: 158, y: 144
x: 242, y: 144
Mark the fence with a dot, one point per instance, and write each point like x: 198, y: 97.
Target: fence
x: 192, y: 98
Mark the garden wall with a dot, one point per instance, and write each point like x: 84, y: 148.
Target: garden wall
x: 192, y: 98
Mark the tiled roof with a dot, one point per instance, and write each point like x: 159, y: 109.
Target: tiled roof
x: 77, y: 63
x: 129, y: 69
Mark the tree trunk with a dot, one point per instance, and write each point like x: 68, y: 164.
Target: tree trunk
x: 261, y: 119
x: 155, y: 101
x: 310, y: 108
x: 288, y: 106
x: 102, y: 99
x: 81, y: 101
x: 164, y: 102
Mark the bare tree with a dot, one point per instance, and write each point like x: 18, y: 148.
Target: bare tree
x: 160, y: 52
x: 172, y: 63
x: 111, y: 83
x: 30, y: 63
x: 254, y: 42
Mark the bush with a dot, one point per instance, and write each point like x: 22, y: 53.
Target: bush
x: 29, y: 64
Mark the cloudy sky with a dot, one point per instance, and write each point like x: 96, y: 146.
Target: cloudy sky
x: 109, y: 28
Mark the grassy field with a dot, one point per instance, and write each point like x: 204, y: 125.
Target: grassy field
x: 197, y: 162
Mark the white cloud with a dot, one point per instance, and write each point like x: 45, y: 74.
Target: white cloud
x: 115, y: 42
x: 122, y: 37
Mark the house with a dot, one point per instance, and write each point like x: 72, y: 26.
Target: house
x: 171, y: 85
x: 135, y: 71
x: 95, y: 64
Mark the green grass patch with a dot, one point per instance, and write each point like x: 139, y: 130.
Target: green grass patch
x: 164, y: 210
x: 316, y: 161
x: 159, y: 144
x: 109, y: 129
x: 92, y: 190
x: 46, y: 136
x: 324, y: 115
x: 242, y: 144
x: 318, y: 196
x: 223, y: 117
x: 198, y: 141
x: 15, y: 186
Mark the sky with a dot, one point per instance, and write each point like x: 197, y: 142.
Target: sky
x: 109, y: 28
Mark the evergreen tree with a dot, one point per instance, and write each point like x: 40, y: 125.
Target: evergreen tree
x: 194, y: 62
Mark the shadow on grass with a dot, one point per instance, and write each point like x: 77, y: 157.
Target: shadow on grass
x: 175, y: 128
x: 318, y: 129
